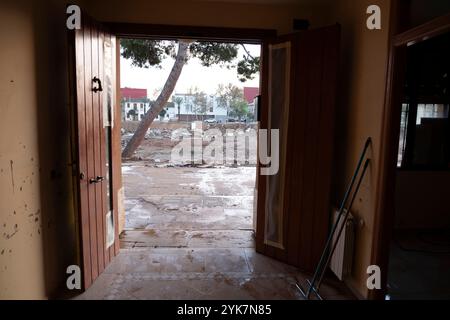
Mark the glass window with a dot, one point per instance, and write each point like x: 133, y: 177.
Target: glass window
x: 426, y: 145
x: 431, y: 111
x: 403, y: 132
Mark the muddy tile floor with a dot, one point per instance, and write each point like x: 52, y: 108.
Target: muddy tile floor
x: 189, y: 235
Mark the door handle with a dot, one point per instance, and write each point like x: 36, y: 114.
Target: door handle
x: 96, y: 179
x: 99, y: 82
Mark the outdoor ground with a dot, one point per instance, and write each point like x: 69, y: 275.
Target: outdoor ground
x: 188, y: 206
x: 185, y: 206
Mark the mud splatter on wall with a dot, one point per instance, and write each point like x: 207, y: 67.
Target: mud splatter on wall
x: 21, y: 260
x: 36, y: 207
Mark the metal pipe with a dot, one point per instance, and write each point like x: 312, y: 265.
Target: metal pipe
x: 341, y: 211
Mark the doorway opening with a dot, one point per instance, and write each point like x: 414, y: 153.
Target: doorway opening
x: 214, y: 185
x: 420, y: 246
x: 191, y: 181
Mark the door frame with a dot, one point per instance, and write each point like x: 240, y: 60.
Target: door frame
x: 220, y: 34
x: 384, y: 213
x: 165, y: 32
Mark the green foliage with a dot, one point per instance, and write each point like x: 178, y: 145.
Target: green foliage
x: 232, y: 98
x: 238, y: 108
x: 247, y: 68
x: 200, y: 101
x: 145, y: 53
x: 210, y: 53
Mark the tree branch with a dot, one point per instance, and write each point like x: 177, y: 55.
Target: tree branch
x: 246, y: 51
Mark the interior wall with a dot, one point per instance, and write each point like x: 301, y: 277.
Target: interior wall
x: 421, y: 200
x: 37, y: 220
x: 361, y: 93
x: 21, y: 259
x: 236, y: 14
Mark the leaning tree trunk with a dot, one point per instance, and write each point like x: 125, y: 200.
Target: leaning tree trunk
x: 161, y: 102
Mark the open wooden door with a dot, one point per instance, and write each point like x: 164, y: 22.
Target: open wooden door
x: 93, y: 52
x: 299, y: 95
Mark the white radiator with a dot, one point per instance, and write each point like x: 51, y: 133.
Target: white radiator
x: 342, y: 259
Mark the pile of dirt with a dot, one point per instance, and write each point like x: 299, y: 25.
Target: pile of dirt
x: 160, y: 139
x: 154, y: 133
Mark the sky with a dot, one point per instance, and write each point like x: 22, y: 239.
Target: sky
x: 207, y: 79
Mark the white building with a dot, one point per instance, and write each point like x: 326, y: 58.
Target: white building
x: 189, y: 110
x: 134, y: 109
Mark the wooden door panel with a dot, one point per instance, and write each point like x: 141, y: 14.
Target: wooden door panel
x: 90, y: 150
x: 92, y: 147
x: 97, y: 142
x: 326, y: 136
x: 310, y: 100
x: 297, y: 136
x: 83, y: 193
x: 307, y: 168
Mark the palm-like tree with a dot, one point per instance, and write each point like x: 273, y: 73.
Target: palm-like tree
x: 178, y: 101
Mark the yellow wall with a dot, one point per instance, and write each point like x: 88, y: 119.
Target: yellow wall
x: 38, y: 234
x: 208, y: 13
x: 21, y: 258
x: 361, y: 95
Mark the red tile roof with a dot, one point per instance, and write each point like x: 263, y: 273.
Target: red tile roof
x: 133, y: 93
x: 250, y: 93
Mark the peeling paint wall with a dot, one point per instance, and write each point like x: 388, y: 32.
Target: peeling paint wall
x: 37, y: 219
x: 21, y: 247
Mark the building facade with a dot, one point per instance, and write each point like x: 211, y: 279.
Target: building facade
x: 183, y: 107
x: 187, y: 108
x: 135, y: 103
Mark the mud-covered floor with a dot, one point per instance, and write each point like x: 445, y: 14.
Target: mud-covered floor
x: 203, y: 273
x: 189, y: 236
x: 188, y: 207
